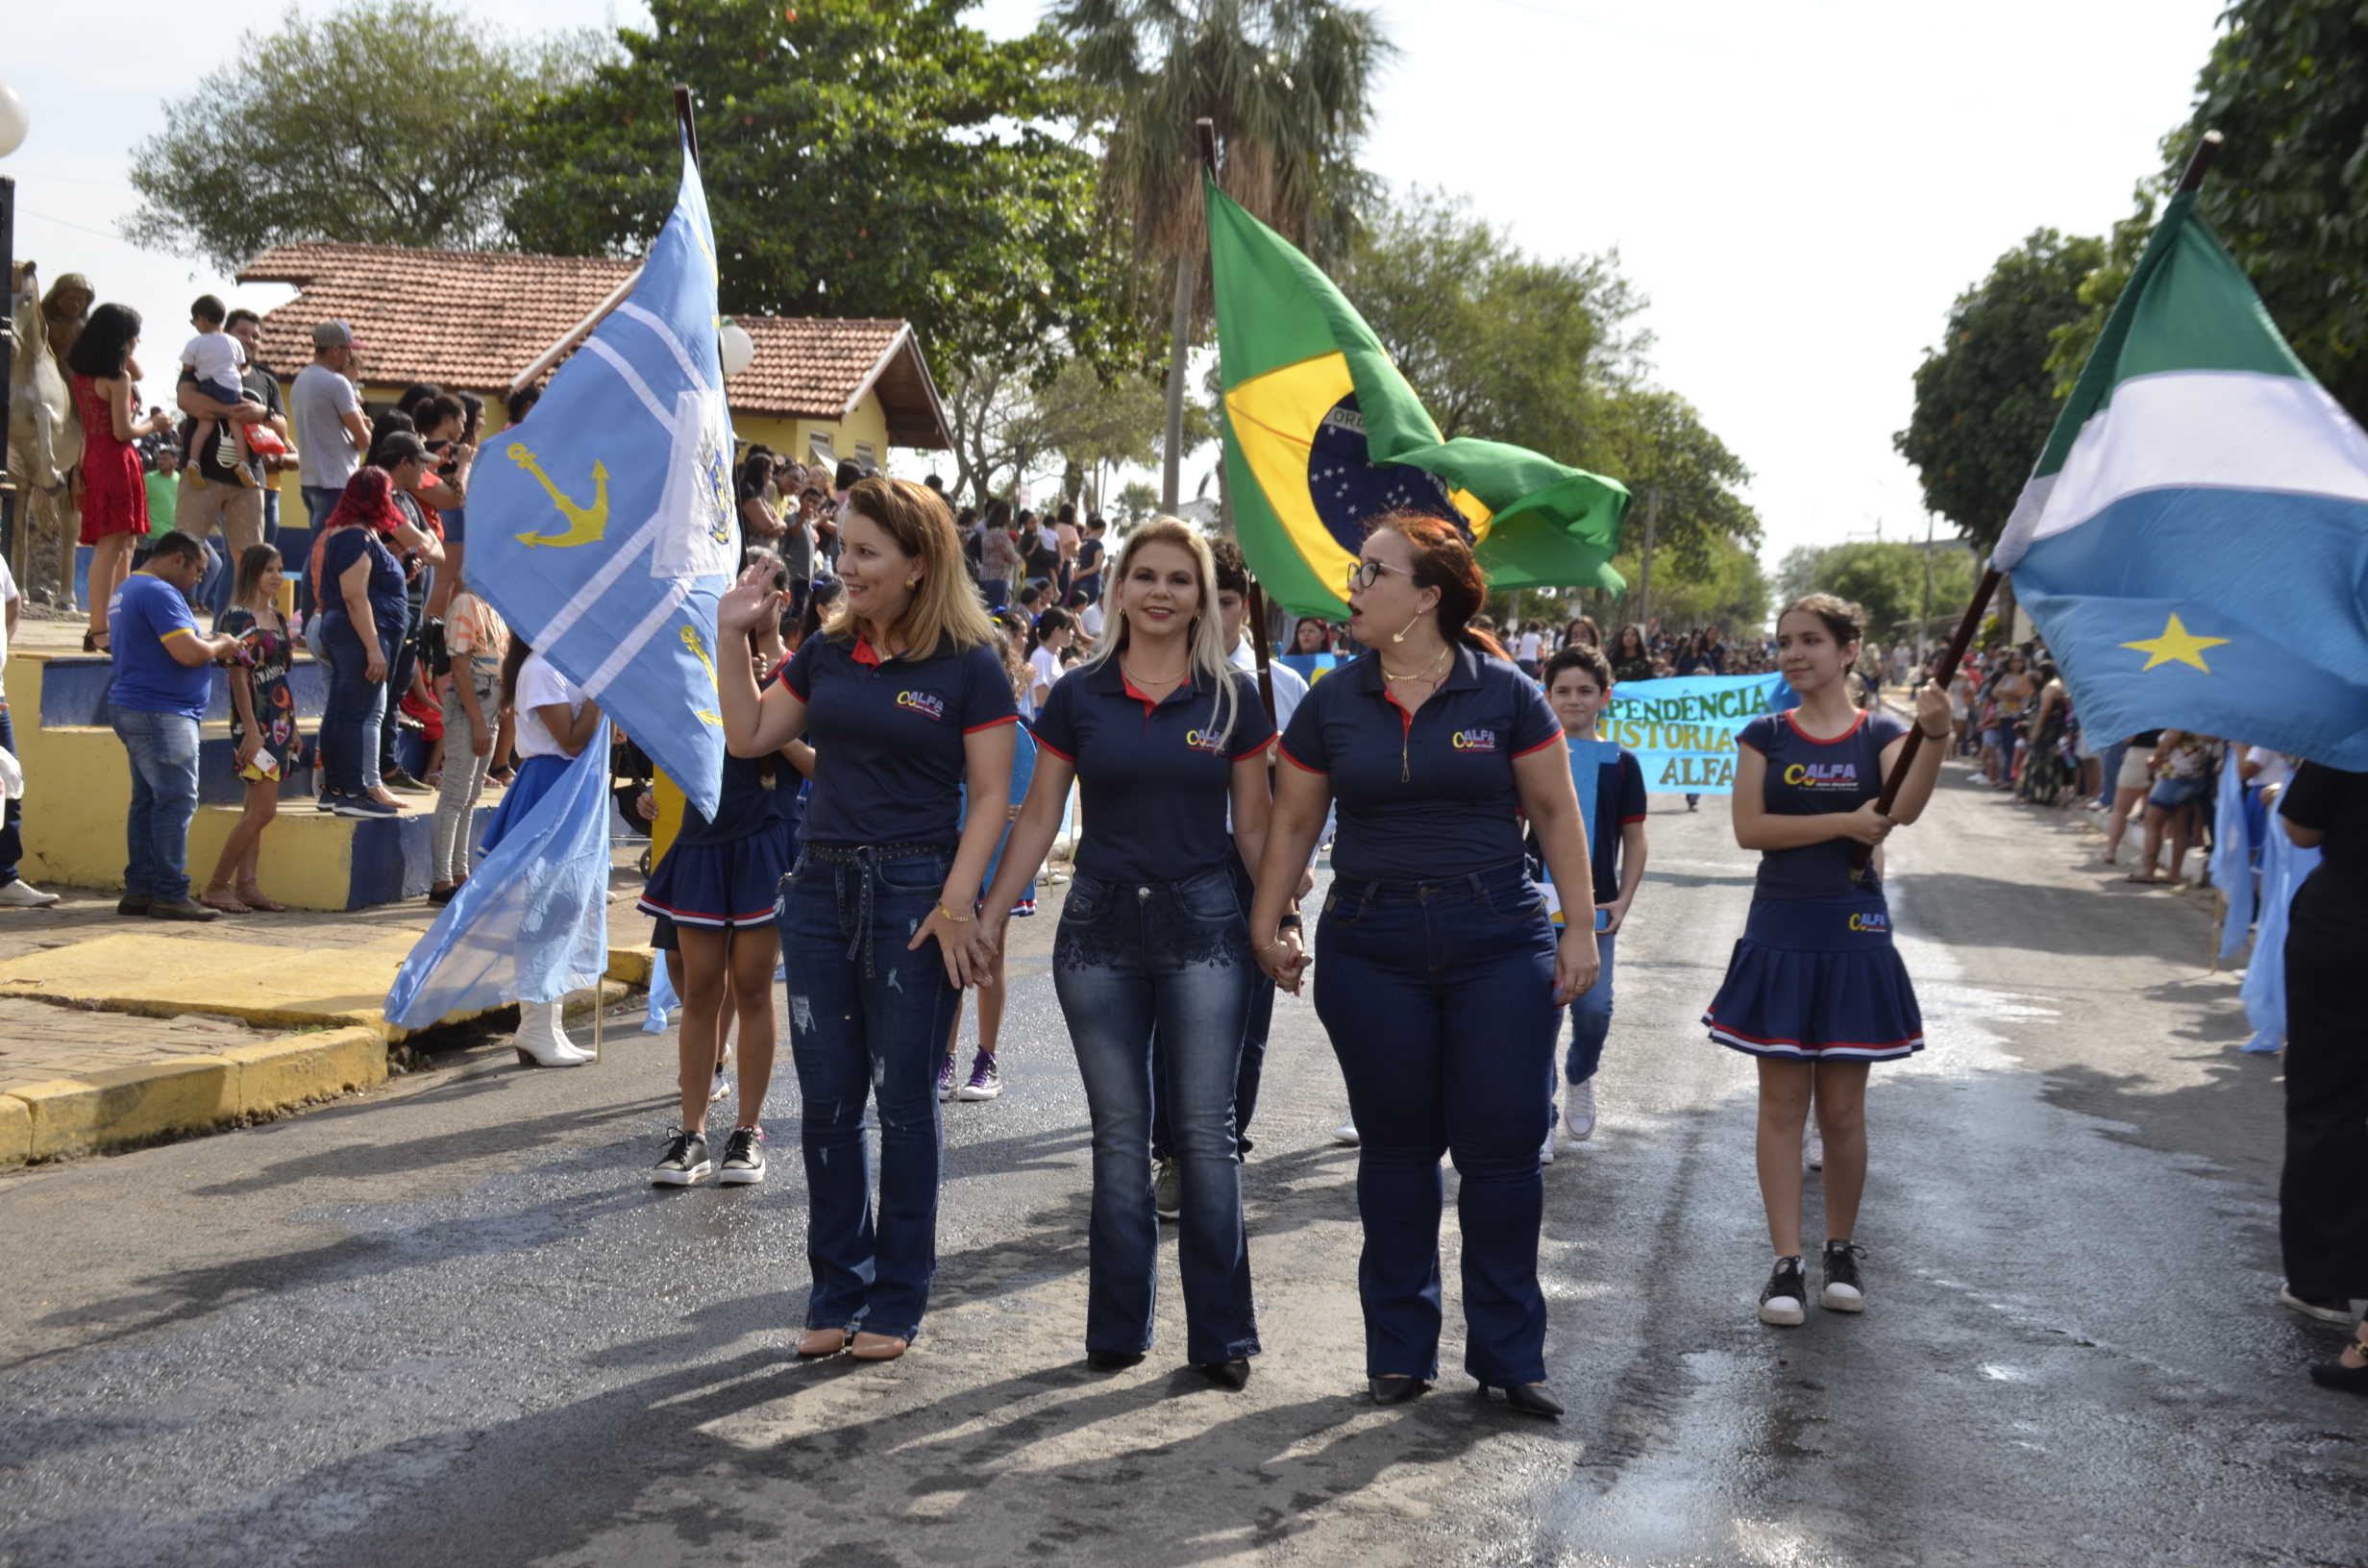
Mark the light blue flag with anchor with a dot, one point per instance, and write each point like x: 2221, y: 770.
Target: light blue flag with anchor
x: 602, y: 524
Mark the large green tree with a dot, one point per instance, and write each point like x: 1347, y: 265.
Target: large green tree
x: 861, y: 158
x: 1287, y: 83
x: 382, y: 122
x: 1985, y: 398
x: 1885, y: 580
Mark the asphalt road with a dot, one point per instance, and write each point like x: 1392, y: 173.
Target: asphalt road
x: 450, y: 1324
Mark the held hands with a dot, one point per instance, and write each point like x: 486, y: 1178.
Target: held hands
x: 1576, y: 965
x: 976, y: 944
x: 748, y: 602
x: 1932, y: 712
x: 1284, y: 959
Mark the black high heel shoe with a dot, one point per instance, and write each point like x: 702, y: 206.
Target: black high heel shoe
x: 1233, y: 1375
x: 1395, y: 1390
x: 2351, y: 1380
x: 1112, y: 1360
x: 1530, y: 1399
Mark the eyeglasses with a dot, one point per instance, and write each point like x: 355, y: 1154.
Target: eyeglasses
x: 1367, y: 572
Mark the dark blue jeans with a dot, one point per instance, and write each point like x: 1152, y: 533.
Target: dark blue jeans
x: 1131, y: 958
x: 354, y: 706
x: 1590, y: 1017
x: 867, y: 1022
x: 1246, y: 1077
x: 11, y: 837
x: 1439, y: 997
x: 164, y: 751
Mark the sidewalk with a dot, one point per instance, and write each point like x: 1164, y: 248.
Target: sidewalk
x: 116, y: 1031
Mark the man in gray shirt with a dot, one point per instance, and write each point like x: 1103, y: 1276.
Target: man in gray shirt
x: 331, y: 435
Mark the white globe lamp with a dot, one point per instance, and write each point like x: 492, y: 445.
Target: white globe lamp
x: 738, y: 348
x: 14, y: 120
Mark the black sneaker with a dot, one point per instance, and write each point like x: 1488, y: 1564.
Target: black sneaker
x: 744, y: 1158
x: 133, y: 903
x: 685, y: 1164
x: 1842, y: 1291
x: 1782, y: 1298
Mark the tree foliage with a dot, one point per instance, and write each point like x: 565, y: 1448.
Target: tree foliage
x: 861, y: 158
x: 1986, y: 399
x: 380, y: 123
x: 1005, y: 425
x: 1886, y: 581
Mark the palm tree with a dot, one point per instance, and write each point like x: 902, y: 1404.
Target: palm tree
x: 1286, y: 83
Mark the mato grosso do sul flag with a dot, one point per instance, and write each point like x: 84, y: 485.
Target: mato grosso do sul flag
x: 1323, y: 435
x: 2193, y: 543
x: 602, y: 525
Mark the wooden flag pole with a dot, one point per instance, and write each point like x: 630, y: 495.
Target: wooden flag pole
x: 686, y: 119
x: 1944, y: 671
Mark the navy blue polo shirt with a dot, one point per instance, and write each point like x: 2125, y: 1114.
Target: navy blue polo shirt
x: 887, y: 737
x: 1153, y: 778
x: 1428, y: 795
x: 756, y: 793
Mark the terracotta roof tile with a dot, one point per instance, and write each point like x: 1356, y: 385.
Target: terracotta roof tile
x: 475, y: 319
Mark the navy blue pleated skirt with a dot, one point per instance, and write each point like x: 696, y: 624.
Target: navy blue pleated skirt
x: 1816, y: 979
x: 720, y: 885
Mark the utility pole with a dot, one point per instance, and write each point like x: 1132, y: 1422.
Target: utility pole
x: 1645, y: 588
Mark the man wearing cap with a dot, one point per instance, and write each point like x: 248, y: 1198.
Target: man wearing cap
x: 331, y: 433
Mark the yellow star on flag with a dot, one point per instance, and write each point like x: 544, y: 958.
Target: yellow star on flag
x: 2177, y: 645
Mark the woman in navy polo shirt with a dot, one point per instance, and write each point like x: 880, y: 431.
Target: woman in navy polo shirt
x: 1442, y: 980
x: 1814, y: 988
x: 904, y: 702
x: 1163, y: 735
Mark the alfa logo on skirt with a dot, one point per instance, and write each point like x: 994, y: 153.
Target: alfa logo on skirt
x: 1875, y: 920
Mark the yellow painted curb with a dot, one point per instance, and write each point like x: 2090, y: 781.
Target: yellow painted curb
x: 279, y: 1073
x: 631, y: 964
x: 16, y: 1132
x: 125, y: 1105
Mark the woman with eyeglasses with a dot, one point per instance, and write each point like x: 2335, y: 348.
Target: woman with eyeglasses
x: 1440, y: 978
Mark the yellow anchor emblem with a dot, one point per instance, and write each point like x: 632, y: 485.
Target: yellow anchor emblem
x: 585, y: 523
x: 690, y: 640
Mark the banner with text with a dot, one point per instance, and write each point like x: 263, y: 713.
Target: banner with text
x: 1683, y: 730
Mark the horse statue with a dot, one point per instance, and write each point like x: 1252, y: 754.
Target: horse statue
x: 44, y: 436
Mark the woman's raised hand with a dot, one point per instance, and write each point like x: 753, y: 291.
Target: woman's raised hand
x: 747, y: 603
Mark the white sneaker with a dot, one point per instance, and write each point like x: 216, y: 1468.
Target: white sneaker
x: 1545, y: 1155
x: 721, y: 1089
x: 18, y: 894
x: 1579, y: 1110
x: 1813, y: 1152
x: 1345, y: 1132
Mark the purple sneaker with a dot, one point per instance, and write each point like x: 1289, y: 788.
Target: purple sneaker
x: 986, y: 1084
x: 945, y: 1077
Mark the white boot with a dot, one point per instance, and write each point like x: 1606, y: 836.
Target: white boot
x: 541, y: 1041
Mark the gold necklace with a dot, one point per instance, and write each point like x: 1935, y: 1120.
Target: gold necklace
x: 1157, y: 681
x: 1426, y: 672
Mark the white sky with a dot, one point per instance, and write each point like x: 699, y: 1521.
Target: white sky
x: 1801, y: 188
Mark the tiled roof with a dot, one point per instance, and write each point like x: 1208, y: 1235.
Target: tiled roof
x: 476, y: 319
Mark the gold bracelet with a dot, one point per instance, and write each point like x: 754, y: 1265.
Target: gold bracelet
x: 951, y: 917
x: 1271, y: 945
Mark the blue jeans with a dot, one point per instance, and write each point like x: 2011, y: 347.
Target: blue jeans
x: 997, y: 594
x: 164, y: 751
x: 867, y: 1022
x: 271, y: 515
x: 11, y: 837
x: 1590, y: 1017
x: 354, y: 706
x: 1439, y: 997
x: 1246, y: 1077
x: 1175, y: 956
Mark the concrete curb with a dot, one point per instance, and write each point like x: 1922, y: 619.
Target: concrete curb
x: 131, y: 1105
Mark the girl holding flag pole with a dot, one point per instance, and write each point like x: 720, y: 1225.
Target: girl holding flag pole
x: 1814, y: 988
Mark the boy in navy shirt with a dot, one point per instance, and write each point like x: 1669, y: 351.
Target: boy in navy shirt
x: 1578, y: 687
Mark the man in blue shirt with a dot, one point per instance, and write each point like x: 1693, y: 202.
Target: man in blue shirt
x: 164, y: 678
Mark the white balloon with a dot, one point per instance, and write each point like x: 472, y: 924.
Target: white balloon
x: 739, y: 348
x: 14, y: 120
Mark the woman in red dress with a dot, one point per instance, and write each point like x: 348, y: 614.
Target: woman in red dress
x: 114, y: 494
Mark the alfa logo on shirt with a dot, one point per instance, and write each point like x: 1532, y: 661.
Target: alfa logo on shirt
x: 927, y: 703
x: 1474, y: 740
x: 1823, y: 775
x: 1202, y: 740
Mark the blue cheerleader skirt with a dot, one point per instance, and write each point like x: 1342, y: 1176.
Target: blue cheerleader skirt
x: 723, y: 885
x: 1818, y: 979
x: 536, y: 777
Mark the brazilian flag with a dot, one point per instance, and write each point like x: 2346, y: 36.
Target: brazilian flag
x: 1323, y: 435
